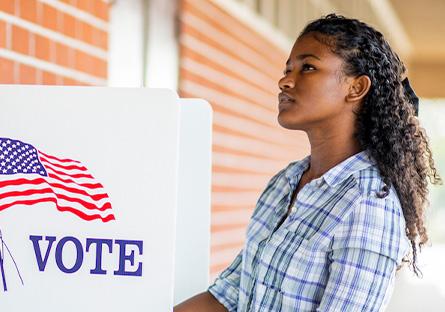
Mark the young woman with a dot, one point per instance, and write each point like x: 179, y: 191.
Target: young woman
x: 329, y: 231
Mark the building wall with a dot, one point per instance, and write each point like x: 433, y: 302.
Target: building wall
x: 237, y: 70
x: 53, y: 42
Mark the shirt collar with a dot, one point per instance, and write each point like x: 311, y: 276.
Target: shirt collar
x: 336, y: 174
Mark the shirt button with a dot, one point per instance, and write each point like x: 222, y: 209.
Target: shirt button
x: 319, y: 182
x: 293, y: 209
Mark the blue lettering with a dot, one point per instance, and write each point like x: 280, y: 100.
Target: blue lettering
x: 128, y: 250
x: 41, y: 263
x: 124, y: 257
x: 79, y: 256
x: 99, y: 242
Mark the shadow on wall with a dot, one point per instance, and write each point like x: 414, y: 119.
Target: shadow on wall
x: 412, y: 294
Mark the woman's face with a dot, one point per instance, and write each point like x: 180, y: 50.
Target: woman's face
x: 313, y: 88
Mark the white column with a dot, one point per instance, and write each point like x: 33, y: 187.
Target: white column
x: 126, y: 44
x: 162, y: 59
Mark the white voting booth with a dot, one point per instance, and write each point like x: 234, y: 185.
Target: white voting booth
x: 99, y: 188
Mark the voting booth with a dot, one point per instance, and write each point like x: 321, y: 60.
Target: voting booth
x: 98, y: 189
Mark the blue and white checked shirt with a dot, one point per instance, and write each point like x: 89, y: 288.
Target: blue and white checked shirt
x: 337, y: 251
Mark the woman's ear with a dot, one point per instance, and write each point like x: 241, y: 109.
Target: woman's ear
x: 358, y: 88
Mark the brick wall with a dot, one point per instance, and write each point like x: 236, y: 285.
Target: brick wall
x: 53, y: 42
x: 237, y: 70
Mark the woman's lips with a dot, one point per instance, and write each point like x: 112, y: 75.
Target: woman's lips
x: 285, y: 97
x: 285, y: 104
x: 284, y: 101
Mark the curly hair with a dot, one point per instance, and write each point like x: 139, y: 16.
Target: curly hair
x: 386, y: 125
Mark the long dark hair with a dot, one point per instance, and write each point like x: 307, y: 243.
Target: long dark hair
x: 386, y: 124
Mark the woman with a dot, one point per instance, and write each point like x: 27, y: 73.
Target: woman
x: 329, y: 231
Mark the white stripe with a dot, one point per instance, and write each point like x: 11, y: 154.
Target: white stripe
x: 231, y: 102
x: 64, y: 170
x: 239, y: 180
x: 57, y: 162
x: 245, y: 199
x: 224, y: 60
x: 235, y: 85
x: 53, y: 68
x: 242, y: 50
x: 55, y: 36
x: 226, y: 237
x: 249, y: 145
x: 247, y: 163
x: 229, y: 218
x: 78, y: 14
x: 77, y: 181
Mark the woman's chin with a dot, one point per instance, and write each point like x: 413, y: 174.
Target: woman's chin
x: 288, y: 124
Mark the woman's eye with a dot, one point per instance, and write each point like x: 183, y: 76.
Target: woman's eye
x: 306, y: 67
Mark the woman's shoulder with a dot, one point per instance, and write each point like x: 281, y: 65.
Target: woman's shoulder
x: 379, y: 219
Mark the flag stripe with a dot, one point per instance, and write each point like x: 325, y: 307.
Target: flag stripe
x: 58, y: 159
x: 79, y: 175
x: 88, y: 185
x: 60, y: 208
x: 49, y: 190
x: 70, y: 167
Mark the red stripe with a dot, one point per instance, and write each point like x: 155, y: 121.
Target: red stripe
x: 87, y: 217
x: 79, y: 191
x: 77, y: 175
x: 88, y: 185
x: 38, y: 181
x: 58, y: 159
x: 86, y: 204
x: 60, y: 208
x: 29, y: 202
x: 22, y: 181
x: 71, y: 167
x: 48, y: 190
x: 26, y: 193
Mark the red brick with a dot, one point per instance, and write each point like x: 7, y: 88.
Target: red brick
x: 49, y: 17
x: 78, y: 26
x: 69, y: 25
x: 69, y: 2
x: 69, y: 82
x: 48, y: 78
x: 87, y: 33
x: 85, y: 5
x: 6, y: 71
x: 62, y: 54
x: 59, y: 80
x: 20, y: 40
x: 2, y: 34
x: 100, y: 38
x: 42, y: 48
x: 90, y: 64
x: 27, y: 74
x: 101, y: 9
x: 28, y: 10
x: 7, y: 6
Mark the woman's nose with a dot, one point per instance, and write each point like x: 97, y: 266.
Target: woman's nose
x: 287, y: 82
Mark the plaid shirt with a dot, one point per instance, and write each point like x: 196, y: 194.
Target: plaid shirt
x: 337, y: 250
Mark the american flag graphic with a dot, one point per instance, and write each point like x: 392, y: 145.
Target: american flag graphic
x: 29, y: 176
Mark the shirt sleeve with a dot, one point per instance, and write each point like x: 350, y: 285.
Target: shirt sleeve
x: 226, y: 286
x: 366, y: 249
